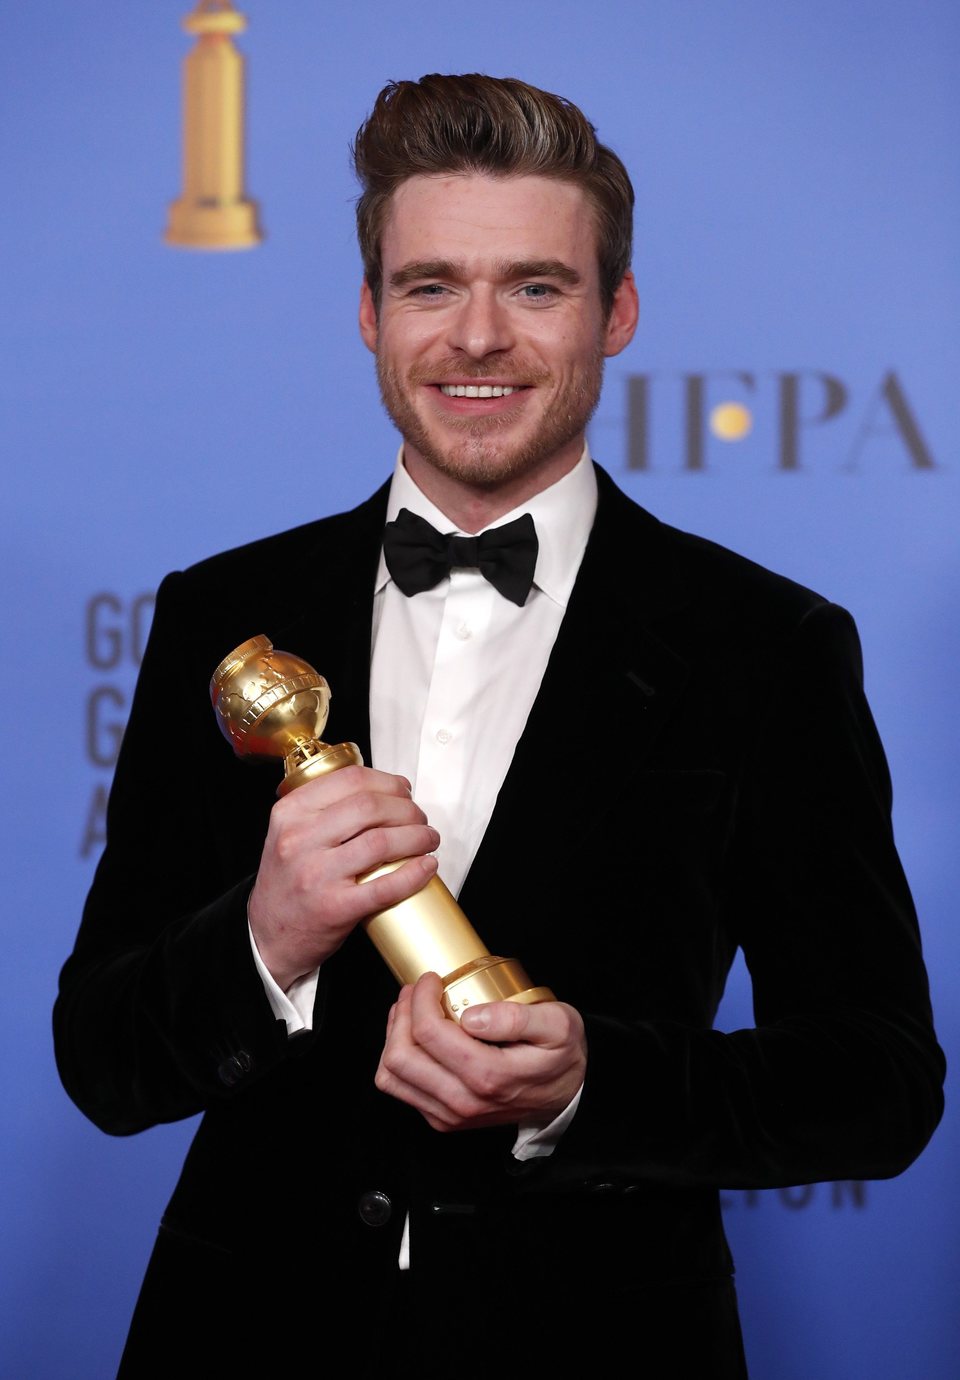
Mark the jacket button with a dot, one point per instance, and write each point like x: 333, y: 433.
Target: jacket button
x: 375, y: 1208
x: 232, y: 1069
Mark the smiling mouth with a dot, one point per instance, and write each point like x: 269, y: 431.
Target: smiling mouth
x: 477, y: 390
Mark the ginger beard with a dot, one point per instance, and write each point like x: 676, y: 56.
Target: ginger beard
x: 480, y: 450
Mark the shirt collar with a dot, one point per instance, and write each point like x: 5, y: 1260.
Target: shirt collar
x: 563, y: 515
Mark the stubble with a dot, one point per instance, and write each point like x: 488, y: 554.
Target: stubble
x: 478, y: 451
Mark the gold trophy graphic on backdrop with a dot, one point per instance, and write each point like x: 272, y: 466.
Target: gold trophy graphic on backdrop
x: 270, y: 703
x: 213, y: 211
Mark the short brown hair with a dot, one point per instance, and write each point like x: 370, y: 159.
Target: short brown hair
x: 497, y: 125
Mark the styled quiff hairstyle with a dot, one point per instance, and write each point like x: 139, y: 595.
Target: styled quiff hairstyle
x: 496, y: 125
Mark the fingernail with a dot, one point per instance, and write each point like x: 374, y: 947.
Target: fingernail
x: 476, y: 1019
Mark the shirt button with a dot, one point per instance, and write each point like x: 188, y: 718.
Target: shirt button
x: 464, y: 632
x: 443, y: 736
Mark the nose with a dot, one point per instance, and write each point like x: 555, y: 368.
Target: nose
x: 481, y: 325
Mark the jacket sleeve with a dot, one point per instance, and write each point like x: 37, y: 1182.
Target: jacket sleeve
x: 841, y: 1076
x: 160, y: 1010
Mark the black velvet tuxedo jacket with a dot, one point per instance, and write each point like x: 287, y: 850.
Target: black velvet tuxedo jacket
x: 700, y: 771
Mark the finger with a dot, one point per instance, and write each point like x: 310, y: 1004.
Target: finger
x: 423, y: 996
x: 369, y: 896
x: 401, y: 1057
x: 349, y: 818
x: 548, y: 1024
x: 409, y: 1070
x: 386, y: 844
x: 324, y: 791
x: 433, y: 1031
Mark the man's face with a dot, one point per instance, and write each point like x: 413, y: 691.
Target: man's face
x: 490, y: 338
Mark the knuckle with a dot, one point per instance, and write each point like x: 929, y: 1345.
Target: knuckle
x: 423, y: 1031
x: 485, y: 1083
x: 285, y: 808
x: 482, y: 1077
x: 286, y: 846
x: 387, y: 1067
x: 513, y: 1020
x: 373, y: 845
x: 464, y: 1105
x: 367, y: 806
x: 397, y: 1066
x: 304, y: 884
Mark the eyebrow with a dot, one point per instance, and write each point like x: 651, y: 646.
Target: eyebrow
x: 506, y: 270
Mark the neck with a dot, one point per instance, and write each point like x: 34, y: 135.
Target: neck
x: 472, y: 506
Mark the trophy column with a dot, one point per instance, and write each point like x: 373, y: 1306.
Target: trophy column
x: 270, y: 703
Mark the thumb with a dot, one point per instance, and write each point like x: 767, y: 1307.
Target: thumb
x: 500, y: 1022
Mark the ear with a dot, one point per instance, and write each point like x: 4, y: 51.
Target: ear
x: 368, y: 317
x: 624, y: 315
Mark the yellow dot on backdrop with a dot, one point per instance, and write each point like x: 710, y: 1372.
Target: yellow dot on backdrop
x: 730, y: 421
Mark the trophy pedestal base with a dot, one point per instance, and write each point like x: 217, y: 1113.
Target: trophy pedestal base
x: 212, y: 224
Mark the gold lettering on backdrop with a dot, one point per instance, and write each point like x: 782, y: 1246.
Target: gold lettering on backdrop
x: 833, y: 398
x: 904, y: 425
x: 95, y: 825
x: 843, y: 1194
x: 671, y: 417
x: 115, y: 635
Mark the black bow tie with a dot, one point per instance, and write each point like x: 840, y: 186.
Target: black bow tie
x: 418, y: 556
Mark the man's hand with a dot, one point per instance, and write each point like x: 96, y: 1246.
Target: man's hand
x: 504, y: 1063
x: 324, y: 834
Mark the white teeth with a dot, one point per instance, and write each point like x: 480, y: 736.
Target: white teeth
x: 472, y: 390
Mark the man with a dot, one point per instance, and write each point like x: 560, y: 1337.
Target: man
x: 655, y: 754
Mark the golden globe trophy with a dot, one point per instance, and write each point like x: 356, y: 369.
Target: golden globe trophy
x: 273, y: 704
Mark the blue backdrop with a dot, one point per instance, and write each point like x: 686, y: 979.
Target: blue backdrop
x: 797, y: 228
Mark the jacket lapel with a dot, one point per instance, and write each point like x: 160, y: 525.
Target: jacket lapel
x: 611, y: 683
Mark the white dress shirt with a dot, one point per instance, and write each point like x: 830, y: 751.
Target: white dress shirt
x: 455, y: 670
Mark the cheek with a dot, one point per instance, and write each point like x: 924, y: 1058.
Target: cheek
x: 569, y: 343
x: 407, y: 337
